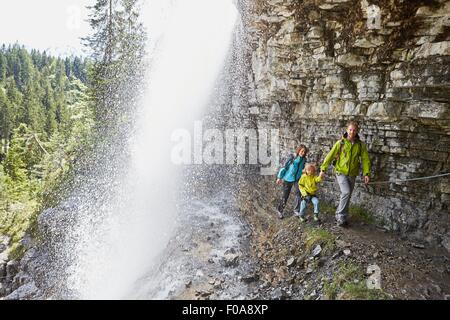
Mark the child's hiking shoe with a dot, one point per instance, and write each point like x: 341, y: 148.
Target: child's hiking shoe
x: 302, y: 219
x: 296, y: 214
x: 316, y: 217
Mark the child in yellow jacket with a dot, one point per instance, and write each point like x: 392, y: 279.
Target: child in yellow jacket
x: 308, y: 189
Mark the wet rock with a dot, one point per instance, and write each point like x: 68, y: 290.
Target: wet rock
x: 277, y: 294
x: 290, y: 262
x: 342, y: 244
x: 230, y: 251
x: 27, y: 291
x: 2, y: 270
x: 12, y: 267
x: 264, y: 285
x: 250, y: 278
x: 20, y: 279
x: 337, y: 254
x: 321, y: 262
x: 230, y: 260
x: 446, y: 242
x: 203, y: 293
x: 4, y: 241
x: 27, y: 241
x: 351, y: 60
x: 437, y: 288
x: 3, y: 257
x: 32, y: 260
x: 418, y: 245
x: 218, y: 282
x: 301, y: 262
x: 317, y: 250
x: 199, y: 273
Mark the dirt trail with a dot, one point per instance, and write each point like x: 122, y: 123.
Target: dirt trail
x: 289, y: 268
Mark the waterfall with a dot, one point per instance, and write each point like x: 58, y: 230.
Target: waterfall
x: 117, y: 231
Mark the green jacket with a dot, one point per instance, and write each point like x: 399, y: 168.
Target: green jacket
x: 350, y: 157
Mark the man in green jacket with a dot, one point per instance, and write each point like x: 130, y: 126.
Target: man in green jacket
x: 347, y: 154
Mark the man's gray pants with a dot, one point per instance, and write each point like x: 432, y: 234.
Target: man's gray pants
x: 346, y: 184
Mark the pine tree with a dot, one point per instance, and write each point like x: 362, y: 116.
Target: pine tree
x: 117, y: 46
x: 5, y: 121
x: 15, y: 166
x: 36, y: 92
x: 16, y: 102
x: 48, y: 102
x: 3, y: 67
x: 33, y: 112
x: 132, y: 51
x: 26, y: 72
x: 61, y: 112
x: 4, y: 196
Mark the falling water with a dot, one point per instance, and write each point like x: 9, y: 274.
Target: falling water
x: 119, y: 230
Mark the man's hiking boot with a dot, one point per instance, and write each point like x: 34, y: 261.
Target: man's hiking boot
x: 279, y: 214
x: 342, y: 224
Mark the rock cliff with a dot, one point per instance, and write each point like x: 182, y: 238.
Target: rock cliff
x: 312, y: 65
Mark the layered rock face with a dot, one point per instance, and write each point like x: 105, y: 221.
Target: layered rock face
x: 313, y: 65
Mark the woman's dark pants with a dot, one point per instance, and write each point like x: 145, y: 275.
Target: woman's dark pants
x: 287, y: 186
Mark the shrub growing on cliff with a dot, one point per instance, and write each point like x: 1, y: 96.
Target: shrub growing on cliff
x: 314, y: 236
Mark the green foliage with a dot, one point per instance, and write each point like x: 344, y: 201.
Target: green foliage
x: 15, y: 222
x: 52, y: 110
x: 327, y: 208
x: 320, y: 236
x: 117, y: 44
x: 3, y: 189
x: 36, y: 87
x: 45, y: 120
x: 6, y: 118
x: 361, y: 214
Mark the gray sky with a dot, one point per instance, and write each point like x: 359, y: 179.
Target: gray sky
x: 52, y: 25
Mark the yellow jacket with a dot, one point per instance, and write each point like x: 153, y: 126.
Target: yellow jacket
x: 308, y: 184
